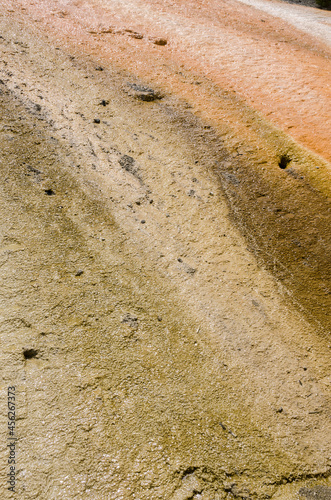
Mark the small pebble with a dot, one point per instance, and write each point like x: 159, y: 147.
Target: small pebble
x: 96, y: 120
x: 79, y: 272
x: 143, y: 221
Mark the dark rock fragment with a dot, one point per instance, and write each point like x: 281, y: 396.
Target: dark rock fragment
x: 129, y: 164
x: 131, y: 320
x: 143, y: 93
x: 30, y: 353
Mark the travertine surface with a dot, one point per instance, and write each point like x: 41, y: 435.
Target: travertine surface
x: 164, y: 298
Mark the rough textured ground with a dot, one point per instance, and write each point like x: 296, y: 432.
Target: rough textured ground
x: 164, y: 254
